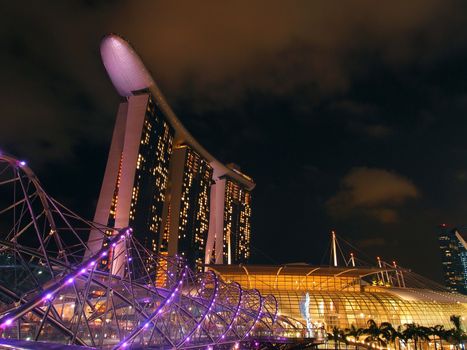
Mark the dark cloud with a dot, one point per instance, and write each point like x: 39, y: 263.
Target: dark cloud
x: 276, y: 47
x: 52, y: 81
x: 378, y: 130
x: 372, y: 242
x: 373, y: 192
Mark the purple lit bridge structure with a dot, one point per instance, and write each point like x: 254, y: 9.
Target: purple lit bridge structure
x: 51, y: 291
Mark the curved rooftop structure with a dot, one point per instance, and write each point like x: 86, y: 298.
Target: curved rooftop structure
x: 129, y: 76
x: 342, y: 296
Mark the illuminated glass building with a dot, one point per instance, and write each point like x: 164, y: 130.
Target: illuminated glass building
x: 186, y: 233
x: 160, y: 181
x: 137, y: 172
x: 237, y: 228
x: 453, y: 250
x: 230, y: 224
x: 343, y: 296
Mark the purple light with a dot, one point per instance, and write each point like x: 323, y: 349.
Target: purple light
x: 7, y: 323
x: 124, y: 345
x: 114, y: 245
x: 83, y: 271
x: 70, y: 280
x: 48, y: 296
x: 22, y: 163
x: 104, y: 254
x: 146, y: 325
x: 92, y: 263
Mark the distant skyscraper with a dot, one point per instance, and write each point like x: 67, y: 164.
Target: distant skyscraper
x: 453, y: 249
x: 179, y: 199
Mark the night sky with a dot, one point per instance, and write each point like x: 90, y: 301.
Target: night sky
x: 349, y: 115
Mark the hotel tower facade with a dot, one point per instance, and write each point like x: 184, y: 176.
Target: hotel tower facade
x: 179, y: 200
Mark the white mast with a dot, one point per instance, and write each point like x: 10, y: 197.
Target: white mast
x: 333, y: 248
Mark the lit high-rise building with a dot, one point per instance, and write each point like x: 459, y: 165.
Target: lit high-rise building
x: 237, y: 227
x: 230, y: 224
x: 453, y: 250
x: 187, y: 224
x: 137, y: 172
x: 179, y: 199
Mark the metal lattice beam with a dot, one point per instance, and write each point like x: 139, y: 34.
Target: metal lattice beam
x: 53, y: 289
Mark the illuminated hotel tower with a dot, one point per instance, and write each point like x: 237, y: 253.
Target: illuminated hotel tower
x: 137, y: 172
x: 159, y: 180
x: 230, y: 229
x: 185, y: 234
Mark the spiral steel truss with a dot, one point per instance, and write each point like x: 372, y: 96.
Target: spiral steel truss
x: 51, y: 291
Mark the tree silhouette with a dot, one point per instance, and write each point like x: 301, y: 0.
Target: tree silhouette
x: 456, y: 335
x: 416, y: 333
x: 438, y: 332
x: 373, y: 333
x: 335, y: 336
x: 388, y: 333
x: 353, y: 332
x: 385, y: 334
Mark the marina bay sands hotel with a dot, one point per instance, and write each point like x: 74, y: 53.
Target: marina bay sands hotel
x: 180, y: 200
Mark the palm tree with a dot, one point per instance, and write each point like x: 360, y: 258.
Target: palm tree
x: 409, y: 333
x: 456, y: 335
x: 343, y: 338
x: 423, y: 334
x: 456, y: 321
x: 335, y: 336
x: 353, y: 332
x: 417, y: 333
x: 397, y: 336
x: 388, y: 333
x: 373, y: 333
x: 405, y: 336
x: 439, y: 332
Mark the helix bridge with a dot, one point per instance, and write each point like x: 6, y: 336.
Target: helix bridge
x: 55, y: 290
